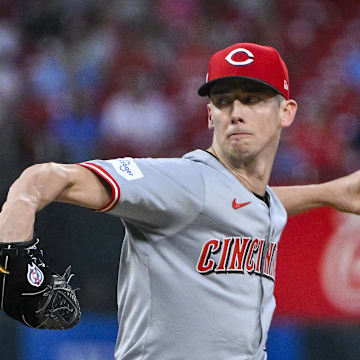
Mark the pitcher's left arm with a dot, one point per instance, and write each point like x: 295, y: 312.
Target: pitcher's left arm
x: 343, y: 194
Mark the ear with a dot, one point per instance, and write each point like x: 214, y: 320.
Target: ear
x: 287, y: 112
x: 210, y: 120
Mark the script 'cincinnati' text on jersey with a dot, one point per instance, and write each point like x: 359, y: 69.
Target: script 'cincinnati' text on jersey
x: 238, y: 254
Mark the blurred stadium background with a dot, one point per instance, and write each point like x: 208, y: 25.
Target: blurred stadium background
x: 84, y: 79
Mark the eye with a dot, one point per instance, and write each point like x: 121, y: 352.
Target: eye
x: 223, y: 101
x: 251, y: 99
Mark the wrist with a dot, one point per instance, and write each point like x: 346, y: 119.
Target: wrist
x: 17, y: 221
x: 327, y: 193
x: 19, y: 205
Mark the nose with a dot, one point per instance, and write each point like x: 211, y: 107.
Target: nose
x: 237, y: 112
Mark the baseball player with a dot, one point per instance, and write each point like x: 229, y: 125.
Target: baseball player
x: 197, y: 266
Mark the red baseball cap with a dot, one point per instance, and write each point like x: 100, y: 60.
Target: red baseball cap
x: 249, y: 61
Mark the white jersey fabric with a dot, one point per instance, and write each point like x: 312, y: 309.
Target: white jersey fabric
x: 197, y: 265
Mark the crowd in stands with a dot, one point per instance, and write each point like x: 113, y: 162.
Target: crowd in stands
x: 88, y: 79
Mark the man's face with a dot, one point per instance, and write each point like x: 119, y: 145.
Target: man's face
x: 245, y: 116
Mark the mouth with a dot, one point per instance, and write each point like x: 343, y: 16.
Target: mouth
x: 239, y: 134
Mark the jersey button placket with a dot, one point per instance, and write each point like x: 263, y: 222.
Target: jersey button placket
x: 268, y: 239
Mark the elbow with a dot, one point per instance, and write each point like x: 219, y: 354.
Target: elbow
x: 48, y: 179
x: 46, y: 172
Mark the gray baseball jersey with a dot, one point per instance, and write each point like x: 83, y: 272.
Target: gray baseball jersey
x: 197, y: 265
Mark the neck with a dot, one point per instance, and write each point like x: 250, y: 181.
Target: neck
x: 254, y: 175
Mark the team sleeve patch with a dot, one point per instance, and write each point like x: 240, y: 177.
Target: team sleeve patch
x: 127, y: 168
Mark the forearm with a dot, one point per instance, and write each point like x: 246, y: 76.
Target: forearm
x: 37, y: 186
x: 297, y: 199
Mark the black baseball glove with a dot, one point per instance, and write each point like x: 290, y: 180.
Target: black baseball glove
x: 33, y: 293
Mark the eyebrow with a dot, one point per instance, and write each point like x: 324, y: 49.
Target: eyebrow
x: 219, y: 91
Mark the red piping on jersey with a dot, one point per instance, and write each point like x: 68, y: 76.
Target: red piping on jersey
x: 110, y: 180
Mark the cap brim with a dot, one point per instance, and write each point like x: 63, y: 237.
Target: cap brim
x: 204, y: 90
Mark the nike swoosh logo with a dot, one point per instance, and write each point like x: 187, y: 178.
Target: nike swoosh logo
x: 236, y: 206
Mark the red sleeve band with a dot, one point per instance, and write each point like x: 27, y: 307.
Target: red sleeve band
x: 110, y: 180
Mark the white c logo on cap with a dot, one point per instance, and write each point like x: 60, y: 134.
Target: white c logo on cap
x: 245, y: 62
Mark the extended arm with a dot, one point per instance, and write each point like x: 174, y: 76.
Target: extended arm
x: 41, y: 184
x: 342, y: 194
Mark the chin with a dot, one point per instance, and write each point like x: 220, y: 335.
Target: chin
x: 239, y: 153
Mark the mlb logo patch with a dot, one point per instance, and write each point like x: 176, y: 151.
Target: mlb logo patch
x: 286, y: 85
x: 35, y: 276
